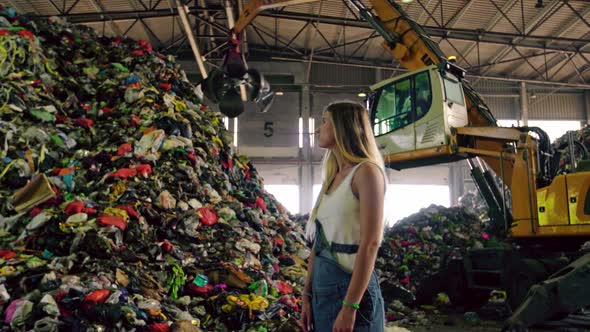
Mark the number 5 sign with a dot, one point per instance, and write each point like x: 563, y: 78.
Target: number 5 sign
x: 268, y: 130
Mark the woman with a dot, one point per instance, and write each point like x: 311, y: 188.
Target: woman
x: 346, y: 227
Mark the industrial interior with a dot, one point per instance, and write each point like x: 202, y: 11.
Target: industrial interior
x: 159, y: 160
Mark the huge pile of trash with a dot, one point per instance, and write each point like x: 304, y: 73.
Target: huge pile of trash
x: 122, y: 203
x: 416, y: 249
x: 580, y: 146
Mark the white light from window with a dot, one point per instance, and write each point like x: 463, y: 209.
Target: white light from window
x: 236, y: 132
x: 402, y: 200
x: 555, y: 129
x: 300, y: 132
x: 226, y: 122
x: 508, y: 123
x: 311, y: 132
x: 284, y: 193
x: 316, y: 192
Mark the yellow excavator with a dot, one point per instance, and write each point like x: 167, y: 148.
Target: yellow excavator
x: 431, y: 115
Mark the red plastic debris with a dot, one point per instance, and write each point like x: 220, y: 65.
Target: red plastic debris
x: 74, y: 207
x: 196, y: 290
x: 96, y: 297
x: 159, y: 327
x: 89, y: 210
x: 124, y: 173
x: 84, y: 123
x: 208, y: 217
x: 165, y: 86
x: 26, y: 34
x: 4, y: 32
x: 283, y: 287
x: 144, y: 169
x: 260, y: 203
x: 192, y: 157
x: 129, y: 209
x: 116, y: 221
x: 6, y: 255
x: 34, y: 212
x: 137, y: 52
x: 107, y: 110
x: 124, y: 148
x: 145, y: 45
x: 167, y: 246
x: 135, y: 120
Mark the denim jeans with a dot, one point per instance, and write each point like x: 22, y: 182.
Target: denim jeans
x: 329, y: 285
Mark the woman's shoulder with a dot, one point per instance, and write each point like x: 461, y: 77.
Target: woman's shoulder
x: 368, y: 174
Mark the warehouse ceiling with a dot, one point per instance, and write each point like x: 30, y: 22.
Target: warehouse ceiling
x: 516, y: 39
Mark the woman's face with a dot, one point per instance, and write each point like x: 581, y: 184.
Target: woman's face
x: 325, y: 132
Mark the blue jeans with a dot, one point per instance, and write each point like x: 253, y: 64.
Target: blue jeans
x: 329, y: 285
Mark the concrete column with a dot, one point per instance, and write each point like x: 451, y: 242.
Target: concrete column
x: 587, y: 107
x: 456, y: 182
x: 524, y: 104
x: 378, y: 75
x: 305, y: 156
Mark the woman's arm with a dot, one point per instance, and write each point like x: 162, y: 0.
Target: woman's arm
x: 369, y: 184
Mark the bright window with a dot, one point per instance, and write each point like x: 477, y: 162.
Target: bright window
x: 555, y: 129
x: 287, y: 194
x: 316, y: 192
x: 403, y: 200
x: 508, y: 123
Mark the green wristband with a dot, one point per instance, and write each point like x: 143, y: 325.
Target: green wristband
x: 352, y: 305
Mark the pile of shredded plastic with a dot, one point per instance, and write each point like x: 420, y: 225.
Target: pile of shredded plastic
x: 123, y: 205
x: 416, y: 249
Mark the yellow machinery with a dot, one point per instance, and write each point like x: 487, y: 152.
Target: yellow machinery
x: 431, y: 115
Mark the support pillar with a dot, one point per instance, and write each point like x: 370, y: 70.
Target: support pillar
x: 524, y: 104
x: 305, y: 156
x: 456, y: 182
x: 587, y: 107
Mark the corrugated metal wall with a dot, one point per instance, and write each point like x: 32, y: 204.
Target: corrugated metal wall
x: 549, y: 103
x: 557, y: 107
x: 502, y: 107
x: 323, y: 74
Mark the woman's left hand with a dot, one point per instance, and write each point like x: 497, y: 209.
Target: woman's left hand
x: 345, y: 320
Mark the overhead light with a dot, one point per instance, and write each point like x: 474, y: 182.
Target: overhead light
x: 279, y: 92
x: 362, y: 94
x: 407, y: 1
x: 539, y: 4
x: 533, y: 95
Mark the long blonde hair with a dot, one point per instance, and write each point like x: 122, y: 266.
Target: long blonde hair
x: 354, y: 139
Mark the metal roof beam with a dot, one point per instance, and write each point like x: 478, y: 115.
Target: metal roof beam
x: 455, y: 19
x: 506, y: 7
x: 126, y: 14
x: 502, y: 53
x: 19, y: 9
x: 566, y: 28
x: 536, y: 42
x: 266, y: 54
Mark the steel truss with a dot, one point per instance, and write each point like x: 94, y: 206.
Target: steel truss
x: 557, y: 51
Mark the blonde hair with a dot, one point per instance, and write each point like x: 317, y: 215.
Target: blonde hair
x: 354, y: 139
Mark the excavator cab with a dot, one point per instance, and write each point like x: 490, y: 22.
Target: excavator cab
x: 417, y: 110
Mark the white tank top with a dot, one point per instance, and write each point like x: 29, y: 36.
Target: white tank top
x: 339, y: 215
